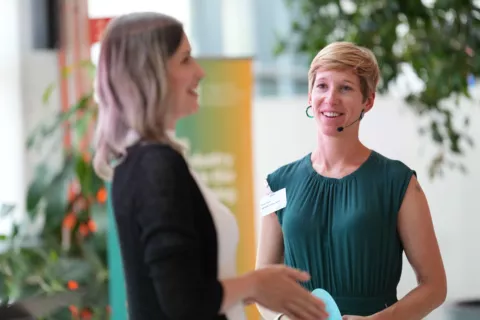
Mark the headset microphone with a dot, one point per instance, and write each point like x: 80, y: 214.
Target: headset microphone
x: 340, y: 129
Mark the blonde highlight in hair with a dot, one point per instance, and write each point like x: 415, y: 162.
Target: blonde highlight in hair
x: 347, y: 56
x: 131, y: 85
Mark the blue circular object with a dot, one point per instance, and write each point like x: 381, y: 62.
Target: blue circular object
x: 330, y: 304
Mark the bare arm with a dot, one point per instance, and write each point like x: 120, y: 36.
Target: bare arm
x: 270, y: 251
x: 237, y: 289
x: 421, y: 248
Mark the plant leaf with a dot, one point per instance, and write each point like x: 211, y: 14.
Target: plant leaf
x: 48, y: 93
x: 6, y: 210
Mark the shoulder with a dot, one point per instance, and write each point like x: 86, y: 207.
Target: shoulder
x: 389, y: 167
x: 156, y: 152
x: 152, y: 163
x: 157, y: 157
x: 280, y: 176
x: 394, y: 177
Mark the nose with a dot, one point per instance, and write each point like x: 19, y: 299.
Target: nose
x: 331, y: 96
x: 200, y: 71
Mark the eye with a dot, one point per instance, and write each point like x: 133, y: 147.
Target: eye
x: 321, y: 86
x: 186, y: 59
x: 346, y: 88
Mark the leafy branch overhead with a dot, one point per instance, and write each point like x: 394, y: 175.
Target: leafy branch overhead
x: 440, y: 41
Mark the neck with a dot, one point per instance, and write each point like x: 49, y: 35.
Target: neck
x: 340, y: 151
x: 171, y: 125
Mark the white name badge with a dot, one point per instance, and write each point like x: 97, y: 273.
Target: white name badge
x: 273, y: 202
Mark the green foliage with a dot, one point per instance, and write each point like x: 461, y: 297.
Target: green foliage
x: 439, y: 41
x: 72, y: 246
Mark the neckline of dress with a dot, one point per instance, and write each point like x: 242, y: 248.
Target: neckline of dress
x: 347, y: 177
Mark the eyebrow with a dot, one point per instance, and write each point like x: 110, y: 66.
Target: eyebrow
x: 344, y: 80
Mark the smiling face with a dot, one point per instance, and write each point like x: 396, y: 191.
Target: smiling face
x: 184, y: 74
x: 337, y: 100
x: 342, y: 81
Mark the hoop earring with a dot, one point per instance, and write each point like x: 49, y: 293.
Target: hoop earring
x: 306, y: 112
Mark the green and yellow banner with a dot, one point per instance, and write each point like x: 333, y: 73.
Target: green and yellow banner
x: 219, y: 140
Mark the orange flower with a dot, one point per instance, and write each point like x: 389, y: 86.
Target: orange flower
x: 102, y: 195
x: 73, y: 310
x: 69, y: 221
x: 86, y: 314
x: 84, y: 229
x: 92, y: 226
x: 86, y: 157
x: 72, y: 285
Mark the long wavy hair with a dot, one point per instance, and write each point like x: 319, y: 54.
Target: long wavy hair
x: 131, y: 85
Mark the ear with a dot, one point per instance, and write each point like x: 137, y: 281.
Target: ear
x: 369, y: 103
x: 309, y: 102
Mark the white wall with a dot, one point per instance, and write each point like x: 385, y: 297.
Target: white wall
x: 25, y: 72
x: 11, y: 115
x: 283, y: 133
x: 180, y: 9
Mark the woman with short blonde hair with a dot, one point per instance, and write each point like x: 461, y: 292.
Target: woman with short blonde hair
x: 347, y: 56
x: 351, y: 212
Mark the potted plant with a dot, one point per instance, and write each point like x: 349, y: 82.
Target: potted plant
x: 70, y: 250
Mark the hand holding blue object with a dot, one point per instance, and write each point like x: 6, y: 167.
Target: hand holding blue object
x: 330, y: 306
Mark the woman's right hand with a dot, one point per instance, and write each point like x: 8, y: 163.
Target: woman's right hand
x: 277, y: 288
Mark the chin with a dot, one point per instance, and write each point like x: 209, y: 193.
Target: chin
x: 186, y: 112
x: 329, y: 131
x: 194, y: 108
x: 191, y: 109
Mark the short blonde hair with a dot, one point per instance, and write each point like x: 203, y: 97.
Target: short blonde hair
x: 131, y: 85
x: 347, y: 56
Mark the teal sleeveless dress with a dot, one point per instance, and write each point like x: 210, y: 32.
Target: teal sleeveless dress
x: 344, y: 231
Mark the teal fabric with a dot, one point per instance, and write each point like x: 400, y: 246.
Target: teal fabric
x: 117, y: 290
x: 344, y: 231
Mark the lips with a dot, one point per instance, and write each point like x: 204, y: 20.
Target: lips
x: 331, y: 114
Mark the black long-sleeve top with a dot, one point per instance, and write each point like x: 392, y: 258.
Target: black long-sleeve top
x: 167, y: 237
